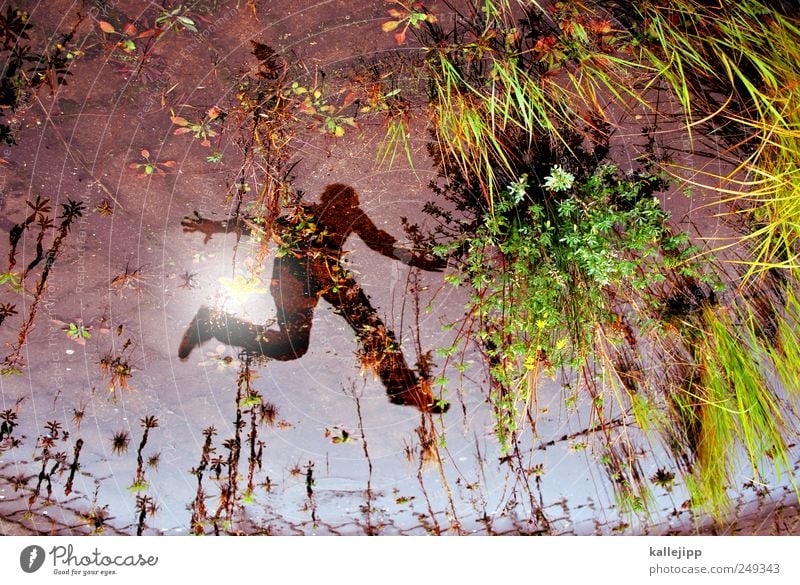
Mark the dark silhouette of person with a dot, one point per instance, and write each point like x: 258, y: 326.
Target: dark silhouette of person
x: 308, y: 267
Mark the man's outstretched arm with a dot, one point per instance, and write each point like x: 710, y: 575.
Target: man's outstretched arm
x: 209, y: 227
x: 387, y: 245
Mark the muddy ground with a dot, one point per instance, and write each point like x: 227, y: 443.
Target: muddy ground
x: 338, y: 457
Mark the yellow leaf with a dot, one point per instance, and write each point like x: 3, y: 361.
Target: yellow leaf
x: 390, y: 25
x: 106, y: 27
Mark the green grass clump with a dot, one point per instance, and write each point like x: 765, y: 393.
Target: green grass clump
x: 509, y: 70
x: 734, y: 68
x: 737, y: 405
x: 739, y: 64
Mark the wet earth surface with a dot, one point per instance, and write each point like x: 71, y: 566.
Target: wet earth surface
x: 113, y: 433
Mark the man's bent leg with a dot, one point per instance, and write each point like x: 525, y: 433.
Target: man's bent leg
x: 288, y: 343
x: 295, y: 304
x: 380, y: 351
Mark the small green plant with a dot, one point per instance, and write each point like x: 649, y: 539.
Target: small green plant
x: 7, y: 310
x: 118, y: 370
x: 176, y: 20
x: 202, y: 130
x: 248, y: 497
x: 14, y: 25
x: 338, y: 435
x: 137, y: 487
x: 251, y: 400
x: 120, y: 442
x: 151, y: 167
x: 78, y: 332
x: 128, y: 36
x: 405, y: 15
x: 543, y: 266
x: 664, y: 478
x: 104, y: 208
x: 558, y: 180
x: 331, y: 117
x: 12, y: 279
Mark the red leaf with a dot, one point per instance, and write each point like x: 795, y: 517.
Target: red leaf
x: 349, y: 99
x: 168, y: 163
x: 306, y: 108
x: 600, y: 27
x: 205, y: 143
x: 133, y: 166
x: 129, y: 29
x: 106, y: 27
x: 179, y: 131
x: 178, y: 121
x: 147, y: 33
x: 400, y: 37
x: 145, y: 153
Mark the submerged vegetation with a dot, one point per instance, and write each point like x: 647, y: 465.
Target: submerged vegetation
x: 566, y: 138
x: 574, y: 264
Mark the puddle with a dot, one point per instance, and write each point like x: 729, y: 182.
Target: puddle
x: 132, y: 410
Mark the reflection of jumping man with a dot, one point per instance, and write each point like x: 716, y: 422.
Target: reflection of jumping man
x: 311, y: 269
